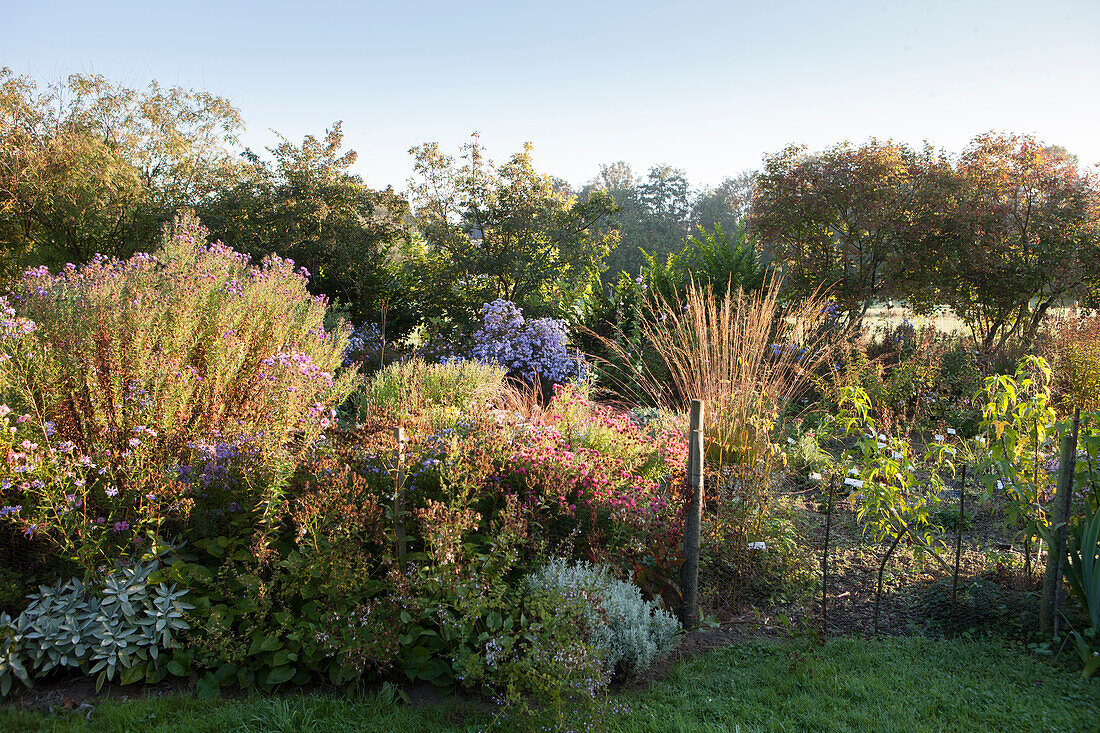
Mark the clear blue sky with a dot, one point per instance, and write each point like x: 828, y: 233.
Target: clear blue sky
x: 707, y: 86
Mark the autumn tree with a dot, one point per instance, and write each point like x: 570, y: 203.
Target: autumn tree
x: 506, y: 231
x: 725, y: 205
x: 1024, y: 234
x: 839, y: 219
x: 90, y: 166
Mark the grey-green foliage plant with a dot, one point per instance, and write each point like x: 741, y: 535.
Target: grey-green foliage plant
x: 627, y: 631
x: 119, y: 629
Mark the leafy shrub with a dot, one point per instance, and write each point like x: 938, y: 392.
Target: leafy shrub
x: 120, y: 627
x: 1018, y: 426
x: 803, y: 451
x: 917, y: 380
x: 12, y: 663
x: 627, y: 631
x: 113, y: 368
x: 192, y: 341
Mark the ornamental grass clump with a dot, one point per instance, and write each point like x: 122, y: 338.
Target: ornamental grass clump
x: 747, y: 356
x: 111, y: 371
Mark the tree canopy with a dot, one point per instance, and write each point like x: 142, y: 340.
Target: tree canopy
x: 506, y: 231
x: 304, y: 204
x: 840, y: 218
x: 1022, y: 234
x: 89, y: 166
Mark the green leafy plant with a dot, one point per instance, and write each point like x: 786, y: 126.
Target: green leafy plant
x: 883, y: 475
x: 443, y: 393
x: 1083, y: 548
x: 119, y: 628
x: 1018, y: 435
x: 12, y: 658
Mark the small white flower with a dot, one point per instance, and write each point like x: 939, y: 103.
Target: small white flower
x: 951, y: 431
x: 790, y: 440
x: 898, y: 456
x: 854, y: 482
x: 939, y: 438
x: 815, y: 476
x: 853, y: 471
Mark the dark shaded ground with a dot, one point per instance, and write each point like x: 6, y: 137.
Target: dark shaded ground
x: 991, y: 590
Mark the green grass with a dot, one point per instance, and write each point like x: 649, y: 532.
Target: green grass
x: 909, y: 684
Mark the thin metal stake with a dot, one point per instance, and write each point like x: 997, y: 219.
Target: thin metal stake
x: 959, y: 537
x: 825, y: 557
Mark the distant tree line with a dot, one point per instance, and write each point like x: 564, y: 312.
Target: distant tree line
x: 1001, y: 233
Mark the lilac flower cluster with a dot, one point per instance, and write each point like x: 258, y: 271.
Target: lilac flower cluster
x: 215, y: 459
x: 527, y: 349
x: 301, y: 363
x: 12, y: 326
x: 904, y: 335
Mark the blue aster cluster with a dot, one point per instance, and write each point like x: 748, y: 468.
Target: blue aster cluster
x: 364, y: 344
x: 528, y: 349
x: 904, y: 335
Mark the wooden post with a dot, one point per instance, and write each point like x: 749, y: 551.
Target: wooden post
x: 1052, y: 578
x: 399, y: 493
x: 689, y: 572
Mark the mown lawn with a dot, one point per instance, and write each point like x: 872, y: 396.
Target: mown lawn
x: 909, y: 684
